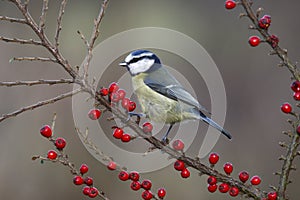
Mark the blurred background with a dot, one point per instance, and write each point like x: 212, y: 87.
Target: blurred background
x: 255, y: 89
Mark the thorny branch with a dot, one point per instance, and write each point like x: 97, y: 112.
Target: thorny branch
x: 285, y: 61
x: 37, y: 82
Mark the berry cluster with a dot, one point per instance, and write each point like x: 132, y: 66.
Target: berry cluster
x: 225, y: 187
x: 180, y: 166
x: 52, y: 155
x: 119, y: 134
x: 136, y: 185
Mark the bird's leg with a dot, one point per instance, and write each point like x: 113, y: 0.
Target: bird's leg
x: 165, y: 139
x: 138, y: 115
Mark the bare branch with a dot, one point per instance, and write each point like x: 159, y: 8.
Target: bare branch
x: 33, y: 59
x: 43, y: 15
x: 20, y: 41
x: 59, y: 19
x: 94, y: 36
x: 13, y: 20
x: 37, y: 82
x: 40, y: 104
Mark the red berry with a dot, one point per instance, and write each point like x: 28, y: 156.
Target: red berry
x: 212, y: 180
x: 125, y: 103
x: 224, y: 187
x: 147, y: 195
x: 112, y: 165
x: 121, y: 93
x: 228, y: 168
x: 131, y: 106
x: 286, y: 108
x: 123, y: 176
x: 118, y: 133
x: 298, y: 130
x: 244, y: 176
x: 254, y: 41
x: 212, y: 188
x: 83, y: 169
x: 161, y: 193
x: 135, y: 185
x: 46, y: 131
x: 213, y: 158
x: 94, y: 114
x: 146, y: 184
x: 93, y: 192
x: 255, y: 180
x: 229, y: 4
x: 126, y: 137
x: 113, y: 87
x: 51, y: 155
x: 296, y: 96
x: 185, y: 173
x: 134, y: 176
x: 86, y: 190
x: 60, y: 143
x: 78, y: 180
x: 147, y: 127
x: 272, y: 195
x: 265, y: 22
x: 103, y: 91
x: 295, y: 86
x: 178, y: 145
x: 179, y: 165
x: 115, y: 97
x: 274, y: 40
x: 88, y: 181
x: 234, y: 191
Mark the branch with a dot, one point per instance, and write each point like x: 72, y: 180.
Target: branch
x: 13, y: 20
x: 37, y: 82
x: 33, y: 59
x: 94, y: 37
x: 43, y: 16
x: 59, y: 19
x: 39, y: 104
x: 20, y: 41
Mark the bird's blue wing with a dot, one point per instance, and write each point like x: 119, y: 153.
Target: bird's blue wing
x: 168, y: 86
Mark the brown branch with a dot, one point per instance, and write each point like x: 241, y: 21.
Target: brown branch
x: 39, y: 104
x: 33, y: 59
x: 37, y: 82
x: 43, y: 16
x: 59, y: 19
x: 285, y: 61
x: 20, y: 41
x: 13, y: 20
x: 94, y: 36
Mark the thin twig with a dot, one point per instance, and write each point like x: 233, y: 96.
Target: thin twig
x: 43, y: 15
x: 41, y: 59
x: 37, y: 82
x: 13, y: 20
x: 39, y: 104
x: 94, y: 36
x: 20, y: 41
x: 59, y: 19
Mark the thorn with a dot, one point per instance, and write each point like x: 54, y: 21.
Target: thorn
x: 200, y: 173
x: 288, y: 133
x: 258, y: 11
x: 283, y: 144
x: 290, y: 121
x: 35, y: 157
x: 281, y: 64
x: 242, y: 15
x: 277, y: 173
x: 293, y: 167
x: 252, y: 27
x: 285, y: 51
x: 273, y: 187
x: 272, y: 53
x: 289, y: 182
x: 282, y: 158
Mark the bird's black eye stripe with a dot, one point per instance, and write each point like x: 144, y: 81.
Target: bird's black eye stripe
x: 139, y: 58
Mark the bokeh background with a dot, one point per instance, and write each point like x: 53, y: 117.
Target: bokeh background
x: 255, y: 88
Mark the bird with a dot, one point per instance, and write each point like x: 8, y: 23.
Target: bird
x: 161, y: 97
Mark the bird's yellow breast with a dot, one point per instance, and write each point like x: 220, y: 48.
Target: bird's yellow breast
x: 157, y: 107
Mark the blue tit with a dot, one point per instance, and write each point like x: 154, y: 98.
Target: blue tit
x: 161, y: 96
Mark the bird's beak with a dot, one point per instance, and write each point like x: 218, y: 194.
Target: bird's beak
x: 123, y: 64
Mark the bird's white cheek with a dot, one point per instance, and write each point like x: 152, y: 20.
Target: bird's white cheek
x: 141, y: 66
